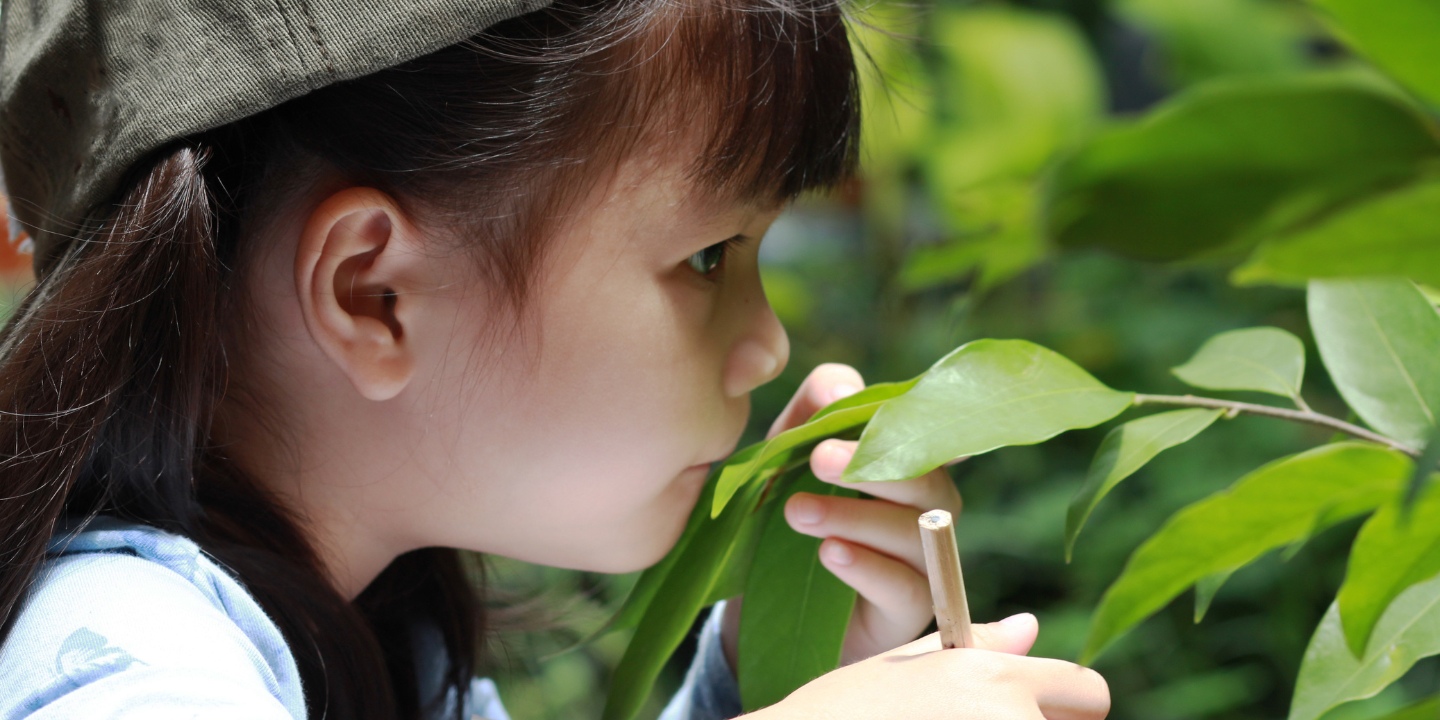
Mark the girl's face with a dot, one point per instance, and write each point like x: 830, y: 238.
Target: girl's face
x: 421, y: 413
x: 586, y: 444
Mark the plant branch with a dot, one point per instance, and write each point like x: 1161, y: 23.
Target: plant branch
x: 1308, y: 417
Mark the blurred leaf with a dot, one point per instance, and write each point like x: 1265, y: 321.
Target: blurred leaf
x: 1208, y: 39
x: 1205, y: 589
x: 996, y: 238
x: 1126, y: 449
x: 1396, y: 233
x: 1019, y: 86
x: 1379, y: 340
x: 792, y: 626
x: 1427, y: 709
x: 1329, y: 675
x: 1397, y: 35
x: 677, y: 602
x: 1262, y: 359
x: 844, y: 414
x: 1391, y: 553
x: 985, y: 395
x: 1213, y: 167
x: 896, y: 94
x: 1273, y: 506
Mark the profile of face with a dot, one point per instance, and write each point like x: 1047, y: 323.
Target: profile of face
x: 420, y: 411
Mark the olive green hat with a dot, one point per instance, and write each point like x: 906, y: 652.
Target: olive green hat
x: 89, y: 87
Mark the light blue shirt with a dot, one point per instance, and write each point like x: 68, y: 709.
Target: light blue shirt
x: 127, y: 621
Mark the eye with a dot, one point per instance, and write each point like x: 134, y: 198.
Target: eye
x: 711, y: 259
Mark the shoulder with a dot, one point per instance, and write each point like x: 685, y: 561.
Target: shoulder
x: 126, y: 611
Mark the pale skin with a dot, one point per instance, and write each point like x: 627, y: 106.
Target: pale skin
x: 410, y: 415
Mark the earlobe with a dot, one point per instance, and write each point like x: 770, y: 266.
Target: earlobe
x: 354, y: 264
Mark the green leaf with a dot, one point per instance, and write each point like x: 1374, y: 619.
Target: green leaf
x: 1397, y: 35
x: 1391, y: 553
x: 1202, y: 40
x: 1262, y: 359
x: 1396, y: 233
x: 985, y: 395
x: 1379, y: 339
x: 1217, y: 166
x: 792, y: 626
x: 1427, y: 709
x: 1276, y: 504
x: 1329, y: 675
x: 1126, y: 449
x: 1205, y: 589
x: 844, y: 414
x: 1429, y: 462
x: 676, y: 603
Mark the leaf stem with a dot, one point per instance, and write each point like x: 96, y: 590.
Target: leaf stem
x: 1306, y: 416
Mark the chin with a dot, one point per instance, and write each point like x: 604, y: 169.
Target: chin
x: 650, y: 541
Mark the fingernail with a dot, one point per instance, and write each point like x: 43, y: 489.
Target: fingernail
x: 805, y: 509
x: 838, y: 553
x: 1020, y: 619
x: 842, y: 390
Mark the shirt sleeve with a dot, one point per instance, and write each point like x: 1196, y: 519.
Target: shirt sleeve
x: 109, y: 635
x: 709, y: 691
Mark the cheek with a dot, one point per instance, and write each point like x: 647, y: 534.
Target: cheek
x: 576, y: 453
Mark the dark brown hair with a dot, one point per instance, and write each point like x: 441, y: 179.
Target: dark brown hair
x: 111, y: 374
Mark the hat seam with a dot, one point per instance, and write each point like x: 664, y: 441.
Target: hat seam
x: 319, y: 41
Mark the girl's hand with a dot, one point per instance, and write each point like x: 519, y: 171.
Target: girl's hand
x: 873, y: 545
x: 992, y: 681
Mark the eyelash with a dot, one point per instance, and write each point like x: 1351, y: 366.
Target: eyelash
x: 697, y: 261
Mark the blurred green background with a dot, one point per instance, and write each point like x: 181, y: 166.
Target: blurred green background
x: 968, y: 106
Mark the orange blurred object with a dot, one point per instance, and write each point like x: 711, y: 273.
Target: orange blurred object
x: 15, y: 265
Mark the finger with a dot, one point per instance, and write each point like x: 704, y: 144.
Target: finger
x: 1014, y: 635
x: 931, y: 491
x: 825, y: 384
x: 897, y: 599
x: 1066, y: 691
x: 880, y: 525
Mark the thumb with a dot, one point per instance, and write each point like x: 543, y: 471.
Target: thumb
x: 1013, y: 635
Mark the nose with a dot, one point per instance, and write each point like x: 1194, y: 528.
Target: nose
x: 759, y: 355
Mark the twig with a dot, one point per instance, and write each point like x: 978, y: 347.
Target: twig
x: 947, y: 584
x: 1308, y: 417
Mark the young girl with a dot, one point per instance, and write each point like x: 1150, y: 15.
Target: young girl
x: 330, y: 288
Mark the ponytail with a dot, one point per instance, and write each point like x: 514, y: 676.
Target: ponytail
x: 109, y: 373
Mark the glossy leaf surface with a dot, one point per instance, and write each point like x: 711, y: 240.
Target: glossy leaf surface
x: 1379, y: 339
x: 1273, y: 506
x: 985, y: 395
x: 1394, y: 550
x: 1260, y: 359
x: 792, y: 627
x: 1329, y: 675
x: 1126, y: 449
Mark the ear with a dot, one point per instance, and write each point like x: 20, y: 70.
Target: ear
x: 358, y: 270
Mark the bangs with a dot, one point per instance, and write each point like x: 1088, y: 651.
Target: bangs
x: 763, y: 92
